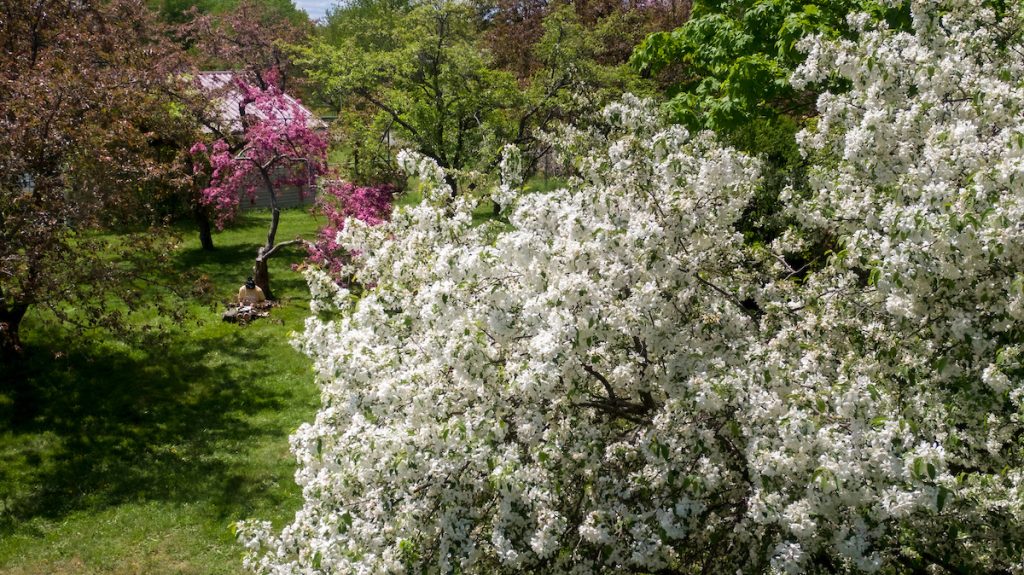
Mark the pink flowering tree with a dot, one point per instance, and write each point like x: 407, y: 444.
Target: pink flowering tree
x: 272, y: 143
x: 339, y: 201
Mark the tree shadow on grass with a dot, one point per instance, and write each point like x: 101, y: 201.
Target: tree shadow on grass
x: 225, y: 263
x: 245, y: 220
x: 227, y: 266
x: 98, y: 425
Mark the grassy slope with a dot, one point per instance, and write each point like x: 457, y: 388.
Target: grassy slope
x: 118, y: 460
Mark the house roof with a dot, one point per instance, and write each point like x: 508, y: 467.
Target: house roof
x: 221, y: 85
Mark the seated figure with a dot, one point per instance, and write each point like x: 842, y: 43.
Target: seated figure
x: 250, y: 293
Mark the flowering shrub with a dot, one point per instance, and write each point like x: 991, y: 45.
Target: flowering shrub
x: 338, y: 201
x: 275, y: 142
x: 619, y: 383
x: 277, y: 146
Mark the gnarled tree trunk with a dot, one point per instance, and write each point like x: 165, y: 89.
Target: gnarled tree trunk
x: 260, y: 269
x: 205, y: 229
x: 261, y: 272
x: 10, y: 324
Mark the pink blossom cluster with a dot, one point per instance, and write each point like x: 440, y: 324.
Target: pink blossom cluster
x: 339, y: 201
x: 279, y: 147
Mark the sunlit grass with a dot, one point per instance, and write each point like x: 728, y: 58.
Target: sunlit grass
x: 125, y: 460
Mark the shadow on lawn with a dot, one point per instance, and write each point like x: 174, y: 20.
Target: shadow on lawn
x: 100, y: 426
x: 227, y: 266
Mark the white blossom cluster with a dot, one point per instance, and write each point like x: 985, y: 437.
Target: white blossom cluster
x: 616, y: 382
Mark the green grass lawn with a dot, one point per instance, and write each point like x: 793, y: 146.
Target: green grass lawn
x: 115, y: 459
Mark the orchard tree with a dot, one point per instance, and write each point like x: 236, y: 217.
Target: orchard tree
x: 620, y: 383
x: 569, y: 83
x: 420, y: 76
x: 421, y: 81
x: 513, y: 28
x: 374, y: 23
x: 250, y: 37
x: 85, y: 117
x: 274, y: 143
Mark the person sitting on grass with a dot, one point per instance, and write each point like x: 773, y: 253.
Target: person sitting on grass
x: 250, y: 293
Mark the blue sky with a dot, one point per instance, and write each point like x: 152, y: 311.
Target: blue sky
x: 315, y: 8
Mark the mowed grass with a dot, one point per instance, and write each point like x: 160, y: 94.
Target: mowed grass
x: 116, y: 459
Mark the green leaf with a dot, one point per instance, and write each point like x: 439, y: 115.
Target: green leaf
x: 873, y: 392
x: 345, y: 523
x: 873, y: 276
x: 942, y: 498
x: 662, y: 450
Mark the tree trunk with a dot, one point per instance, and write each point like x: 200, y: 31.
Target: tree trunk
x: 10, y: 323
x: 275, y: 219
x: 205, y: 230
x: 261, y: 273
x: 453, y: 184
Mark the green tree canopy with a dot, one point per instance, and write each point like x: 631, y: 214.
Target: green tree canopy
x: 411, y: 75
x: 731, y: 62
x: 419, y: 75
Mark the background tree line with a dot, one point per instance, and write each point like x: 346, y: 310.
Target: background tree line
x: 455, y: 81
x: 99, y: 112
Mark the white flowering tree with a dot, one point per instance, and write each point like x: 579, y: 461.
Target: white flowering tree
x: 619, y: 384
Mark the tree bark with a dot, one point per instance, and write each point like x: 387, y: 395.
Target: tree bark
x: 261, y: 272
x: 275, y: 219
x: 205, y: 229
x: 10, y: 323
x: 452, y: 182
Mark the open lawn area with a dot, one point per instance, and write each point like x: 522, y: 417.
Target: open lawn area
x: 120, y: 460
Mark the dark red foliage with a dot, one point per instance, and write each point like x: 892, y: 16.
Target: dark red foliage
x: 250, y: 39
x: 87, y: 122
